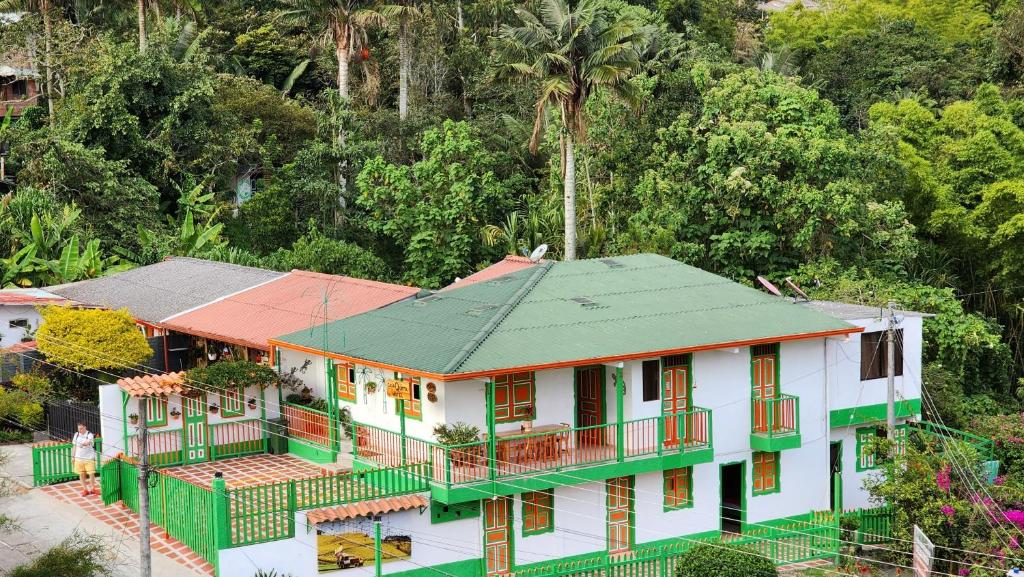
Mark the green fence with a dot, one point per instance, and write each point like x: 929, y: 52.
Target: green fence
x: 51, y: 462
x: 873, y: 525
x: 264, y: 513
x: 985, y: 447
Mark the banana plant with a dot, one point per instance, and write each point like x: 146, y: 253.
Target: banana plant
x: 20, y: 269
x: 89, y: 263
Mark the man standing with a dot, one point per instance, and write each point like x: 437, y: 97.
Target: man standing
x: 83, y: 459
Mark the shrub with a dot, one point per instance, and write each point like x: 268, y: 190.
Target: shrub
x: 456, y: 434
x: 724, y: 561
x: 77, y: 556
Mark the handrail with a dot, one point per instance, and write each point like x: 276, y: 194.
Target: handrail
x: 303, y: 407
x: 775, y: 416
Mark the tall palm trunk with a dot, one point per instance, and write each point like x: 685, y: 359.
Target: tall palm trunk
x: 141, y: 16
x: 570, y: 196
x: 403, y: 69
x: 342, y: 51
x: 48, y: 41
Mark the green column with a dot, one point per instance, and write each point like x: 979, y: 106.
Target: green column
x: 620, y: 429
x: 332, y: 404
x: 492, y: 445
x: 401, y: 423
x: 377, y: 570
x: 219, y: 513
x: 263, y: 419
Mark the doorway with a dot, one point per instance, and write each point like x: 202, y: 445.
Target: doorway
x: 675, y: 400
x: 497, y: 535
x: 835, y: 495
x: 194, y: 429
x: 590, y: 405
x: 731, y: 477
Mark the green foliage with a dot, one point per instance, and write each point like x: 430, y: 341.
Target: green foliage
x: 457, y: 433
x: 724, y: 561
x: 436, y: 208
x: 94, y: 339
x: 230, y: 374
x: 77, y: 556
x: 315, y: 252
x: 22, y: 401
x: 1007, y: 431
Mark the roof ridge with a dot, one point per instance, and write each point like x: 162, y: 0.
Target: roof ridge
x: 355, y: 280
x: 497, y: 317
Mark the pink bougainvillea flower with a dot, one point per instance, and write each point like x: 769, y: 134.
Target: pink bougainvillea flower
x: 1014, y: 544
x: 964, y: 572
x: 948, y: 510
x: 1015, y: 516
x: 999, y: 480
x: 942, y: 479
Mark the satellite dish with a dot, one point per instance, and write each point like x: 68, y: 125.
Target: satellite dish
x: 538, y: 253
x: 792, y: 285
x: 768, y: 286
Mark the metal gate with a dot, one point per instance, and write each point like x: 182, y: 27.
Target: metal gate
x: 62, y: 418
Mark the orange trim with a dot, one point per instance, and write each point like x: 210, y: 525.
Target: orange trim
x: 561, y: 364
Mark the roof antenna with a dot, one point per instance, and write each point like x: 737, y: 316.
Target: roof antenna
x: 538, y: 253
x: 796, y: 289
x: 768, y: 286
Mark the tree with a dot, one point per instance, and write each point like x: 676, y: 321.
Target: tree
x: 44, y: 8
x: 77, y: 556
x: 570, y: 53
x: 435, y: 209
x: 91, y: 339
x: 341, y: 23
x: 405, y: 12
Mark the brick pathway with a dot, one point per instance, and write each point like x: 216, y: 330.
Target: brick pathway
x: 246, y: 471
x: 122, y: 518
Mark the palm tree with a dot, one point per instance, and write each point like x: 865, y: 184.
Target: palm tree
x: 341, y: 24
x: 140, y: 16
x: 405, y: 12
x: 45, y: 9
x: 569, y: 53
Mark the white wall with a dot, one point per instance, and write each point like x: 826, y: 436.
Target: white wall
x: 579, y: 522
x: 854, y: 494
x: 846, y: 390
x: 12, y: 335
x: 431, y: 545
x: 111, y: 428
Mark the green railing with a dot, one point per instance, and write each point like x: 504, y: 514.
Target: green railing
x: 264, y: 513
x: 873, y: 525
x: 985, y: 447
x: 236, y: 439
x: 52, y: 463
x: 778, y: 416
x: 553, y: 449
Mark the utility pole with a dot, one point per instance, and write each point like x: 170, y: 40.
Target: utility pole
x: 145, y: 558
x: 890, y: 355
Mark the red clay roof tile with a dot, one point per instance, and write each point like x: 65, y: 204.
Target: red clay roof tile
x: 364, y: 508
x: 154, y: 385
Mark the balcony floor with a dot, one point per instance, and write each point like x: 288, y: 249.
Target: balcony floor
x: 247, y: 471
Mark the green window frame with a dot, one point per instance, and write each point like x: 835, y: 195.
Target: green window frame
x: 514, y: 397
x: 156, y: 411
x: 232, y: 402
x: 538, y: 512
x: 766, y: 473
x: 867, y: 459
x: 678, y: 487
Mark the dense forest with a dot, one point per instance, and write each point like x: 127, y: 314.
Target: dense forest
x: 870, y: 149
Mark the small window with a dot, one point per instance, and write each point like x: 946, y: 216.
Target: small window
x: 514, y: 396
x: 18, y: 324
x: 156, y: 411
x: 766, y: 473
x: 874, y: 355
x: 652, y: 380
x: 678, y: 487
x: 538, y: 512
x: 345, y: 374
x: 19, y: 88
x: 232, y: 402
x: 867, y: 457
x: 413, y: 408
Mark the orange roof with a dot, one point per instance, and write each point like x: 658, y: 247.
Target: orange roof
x: 503, y: 267
x: 154, y: 385
x: 364, y: 508
x: 284, y: 305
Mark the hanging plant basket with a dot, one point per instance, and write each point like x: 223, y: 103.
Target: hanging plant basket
x: 175, y: 413
x: 133, y: 419
x: 252, y: 403
x: 214, y: 409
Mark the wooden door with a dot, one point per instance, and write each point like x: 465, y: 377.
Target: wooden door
x: 620, y: 514
x: 589, y: 405
x: 196, y: 444
x: 763, y: 364
x: 497, y: 536
x: 675, y: 401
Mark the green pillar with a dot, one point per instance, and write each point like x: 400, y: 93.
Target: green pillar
x: 401, y: 423
x: 219, y: 513
x: 377, y: 570
x: 332, y: 404
x: 620, y: 429
x: 492, y: 445
x: 263, y: 419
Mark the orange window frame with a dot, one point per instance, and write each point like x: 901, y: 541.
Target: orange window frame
x: 766, y: 472
x: 514, y: 397
x: 678, y: 488
x: 346, y: 383
x: 414, y: 407
x: 538, y: 512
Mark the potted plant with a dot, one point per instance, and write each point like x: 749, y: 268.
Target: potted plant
x: 371, y: 387
x: 175, y: 413
x: 306, y: 394
x: 133, y: 418
x: 214, y: 408
x: 459, y: 434
x: 252, y: 403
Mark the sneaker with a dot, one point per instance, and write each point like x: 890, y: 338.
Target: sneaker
x: 96, y: 492
x: 85, y: 493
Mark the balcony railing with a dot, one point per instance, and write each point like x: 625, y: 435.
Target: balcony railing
x: 538, y: 452
x: 775, y: 423
x: 306, y: 423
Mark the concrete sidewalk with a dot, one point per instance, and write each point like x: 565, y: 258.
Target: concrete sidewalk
x: 45, y: 521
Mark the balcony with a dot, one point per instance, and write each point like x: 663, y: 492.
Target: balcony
x: 550, y: 455
x: 775, y: 423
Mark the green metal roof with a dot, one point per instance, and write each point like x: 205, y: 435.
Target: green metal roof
x: 559, y: 312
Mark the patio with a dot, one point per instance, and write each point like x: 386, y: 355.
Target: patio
x: 248, y: 471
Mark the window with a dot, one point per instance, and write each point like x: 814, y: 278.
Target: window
x: 345, y: 375
x: 18, y: 324
x: 678, y: 487
x: 867, y: 455
x: 156, y: 411
x: 232, y: 403
x: 19, y: 88
x: 538, y: 512
x: 766, y: 473
x: 513, y: 397
x: 652, y: 380
x: 414, y: 407
x: 874, y: 356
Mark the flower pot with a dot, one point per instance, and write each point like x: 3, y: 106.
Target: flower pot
x: 133, y: 420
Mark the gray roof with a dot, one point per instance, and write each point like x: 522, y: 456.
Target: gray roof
x: 851, y: 311
x: 157, y: 291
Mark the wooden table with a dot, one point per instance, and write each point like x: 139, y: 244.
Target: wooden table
x: 543, y: 443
